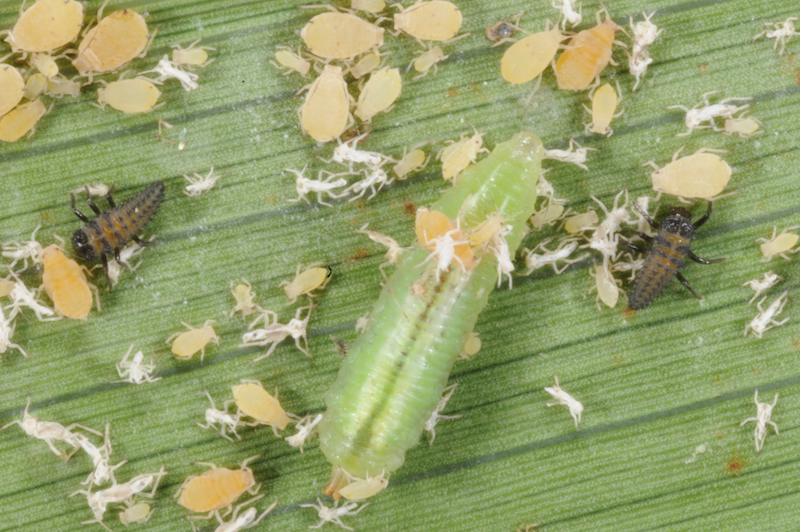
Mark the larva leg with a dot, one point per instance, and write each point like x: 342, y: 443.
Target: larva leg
x: 78, y: 213
x: 685, y: 283
x: 697, y: 259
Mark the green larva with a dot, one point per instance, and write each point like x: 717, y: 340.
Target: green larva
x: 395, y: 372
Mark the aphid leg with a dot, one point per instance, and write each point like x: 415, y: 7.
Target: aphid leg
x: 685, y: 283
x: 78, y: 213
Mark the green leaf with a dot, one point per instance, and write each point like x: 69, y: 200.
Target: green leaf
x: 655, y: 385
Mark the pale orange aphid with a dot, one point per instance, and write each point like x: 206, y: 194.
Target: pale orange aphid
x: 34, y: 86
x: 311, y: 279
x: 46, y: 26
x: 21, y: 120
x: 326, y: 112
x: 604, y: 103
x: 66, y: 285
x: 429, y: 21
x: 188, y: 343
x: 12, y: 88
x: 131, y: 96
x: 60, y: 86
x: 338, y: 35
x: 116, y: 40
x: 588, y: 53
x: 379, y: 94
x: 700, y: 175
x: 460, y: 154
x: 430, y: 225
x: 217, y: 488
x: 256, y: 402
x: 529, y: 57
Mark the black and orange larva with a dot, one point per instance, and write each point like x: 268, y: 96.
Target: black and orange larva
x: 111, y: 230
x: 666, y: 255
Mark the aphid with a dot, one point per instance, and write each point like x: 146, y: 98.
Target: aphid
x: 446, y: 249
x: 460, y: 154
x: 429, y: 21
x: 306, y: 186
x: 427, y: 60
x: 644, y: 34
x: 305, y: 429
x: 604, y: 103
x: 313, y: 277
x: 770, y: 280
x: 255, y: 402
x: 166, y: 69
x: 563, y: 397
x: 503, y: 30
x: 588, y: 55
x: 696, y: 116
x: 394, y: 250
x: 136, y: 513
x: 570, y: 155
x: 21, y: 120
x: 244, y: 296
x: 379, y: 94
x: 248, y: 519
x: 46, y: 26
x: 115, y: 41
x: 370, y: 6
x: 632, y: 266
x: 200, y: 184
x: 417, y: 329
x: 136, y: 371
x: 581, y: 222
x: 700, y: 175
x: 762, y: 419
x: 365, y: 65
x: 745, y: 127
x: 275, y: 333
x: 605, y: 284
x: 6, y: 334
x: 22, y: 251
x: 120, y: 493
x: 217, y: 488
x: 126, y: 255
x: 430, y: 425
x: 13, y: 88
x: 765, y: 319
x: 6, y: 286
x: 337, y: 35
x: 326, y: 112
x: 374, y: 180
x: 131, y: 96
x: 547, y: 215
x: 782, y: 32
x: 109, y: 231
x: 22, y: 297
x: 191, y: 56
x: 605, y: 238
x: 335, y: 513
x: 220, y: 420
x: 66, y: 284
x: 500, y: 250
x: 34, y: 86
x: 666, y: 255
x: 361, y: 324
x: 103, y: 471
x: 188, y: 343
x: 49, y: 431
x: 364, y: 488
x: 779, y: 245
x: 534, y: 261
x: 413, y: 161
x: 483, y: 234
x: 472, y: 345
x: 529, y: 57
x: 568, y: 12
x: 60, y: 86
x: 643, y: 203
x: 45, y: 64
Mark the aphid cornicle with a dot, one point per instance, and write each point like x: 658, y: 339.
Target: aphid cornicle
x: 667, y: 255
x: 111, y: 230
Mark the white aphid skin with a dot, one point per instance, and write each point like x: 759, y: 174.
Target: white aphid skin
x: 360, y: 489
x: 568, y: 13
x: 200, y: 184
x: 101, y: 456
x: 348, y: 153
x: 274, y: 333
x: 570, y: 155
x: 444, y: 251
x: 696, y: 116
x: 244, y: 296
x: 770, y: 280
x: 499, y: 248
x: 637, y: 66
x: 765, y: 319
x: 244, y: 521
x: 95, y: 189
x: 744, y: 126
x: 305, y: 186
x: 305, y: 429
x: 779, y: 244
x: 335, y: 513
x: 7, y: 333
x: 126, y: 255
x: 361, y: 323
x: 136, y: 371
x: 762, y: 419
x: 642, y: 225
x: 220, y: 420
x: 564, y: 398
x: 166, y: 69
x: 632, y: 266
x: 644, y: 34
x: 373, y: 178
x: 606, y: 238
x: 394, y: 249
x: 22, y: 251
x: 780, y: 31
x: 22, y: 297
x: 534, y: 261
x: 430, y: 425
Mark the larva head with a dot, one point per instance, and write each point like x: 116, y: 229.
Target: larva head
x: 678, y: 222
x: 83, y: 248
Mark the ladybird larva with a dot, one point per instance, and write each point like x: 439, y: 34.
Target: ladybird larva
x: 394, y: 374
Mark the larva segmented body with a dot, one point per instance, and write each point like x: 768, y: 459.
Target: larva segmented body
x: 394, y: 374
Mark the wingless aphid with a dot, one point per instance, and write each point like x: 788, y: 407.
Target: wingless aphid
x: 111, y: 230
x: 667, y: 255
x: 395, y: 372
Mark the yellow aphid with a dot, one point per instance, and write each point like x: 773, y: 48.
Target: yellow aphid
x: 191, y: 56
x: 365, y: 65
x: 12, y: 88
x: 337, y: 35
x: 243, y: 294
x: 581, y: 221
x: 45, y: 64
x: 429, y: 21
x: 254, y: 401
x: 364, y: 488
x: 21, y: 120
x: 115, y: 41
x: 529, y: 57
x: 606, y: 286
x: 428, y: 59
x: 188, y: 343
x: 138, y: 513
x: 215, y: 489
x: 66, y: 284
x: 700, y: 175
x: 780, y: 244
x: 291, y: 62
x: 304, y: 283
x: 6, y: 287
x: 604, y: 103
x: 430, y: 225
x: 472, y: 344
x: 379, y: 94
x: 130, y: 96
x: 460, y: 154
x: 414, y: 161
x: 589, y: 52
x: 60, y: 86
x: 326, y: 112
x: 35, y: 85
x: 370, y: 6
x: 46, y: 26
x: 486, y: 230
x: 547, y: 215
x: 745, y: 127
